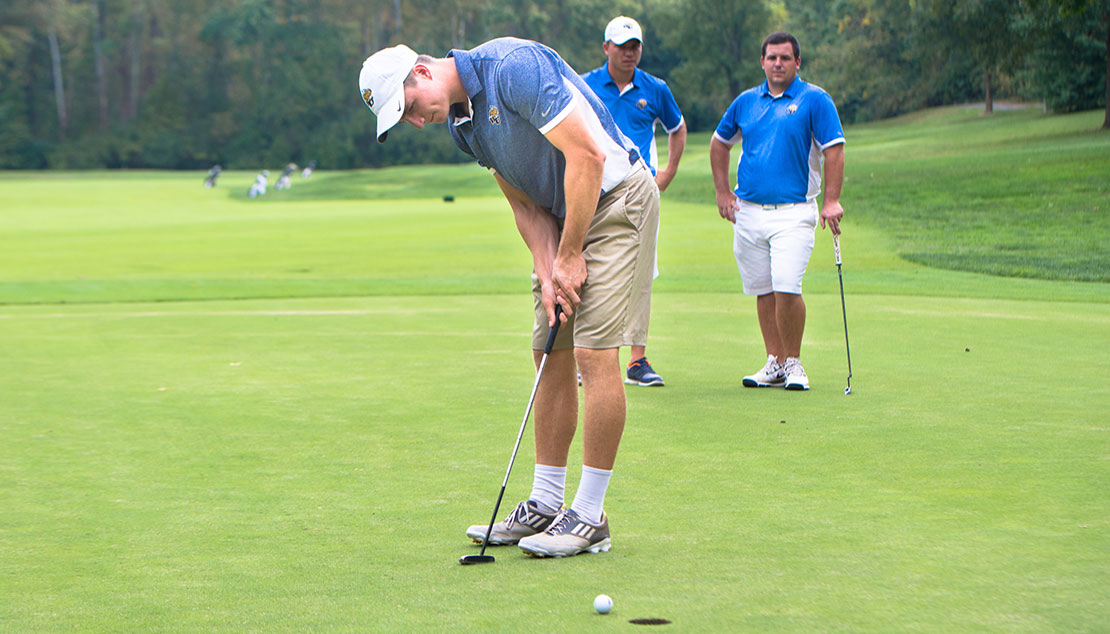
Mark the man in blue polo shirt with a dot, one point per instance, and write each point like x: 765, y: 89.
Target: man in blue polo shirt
x: 637, y: 102
x: 588, y: 210
x: 787, y: 129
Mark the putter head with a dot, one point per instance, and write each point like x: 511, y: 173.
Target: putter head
x: 470, y: 560
x: 847, y: 390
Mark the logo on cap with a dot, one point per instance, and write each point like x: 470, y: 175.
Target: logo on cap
x: 621, y: 29
x: 494, y: 115
x: 368, y: 97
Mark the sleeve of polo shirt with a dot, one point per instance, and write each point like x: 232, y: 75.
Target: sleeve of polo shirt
x: 827, y: 130
x: 728, y: 130
x: 531, y: 84
x: 671, y: 116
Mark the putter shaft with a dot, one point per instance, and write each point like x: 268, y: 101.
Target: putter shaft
x: 843, y: 311
x: 523, y: 424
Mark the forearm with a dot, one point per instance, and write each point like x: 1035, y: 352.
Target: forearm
x: 676, y: 145
x: 581, y: 189
x: 585, y: 163
x: 718, y: 163
x: 831, y: 210
x: 541, y: 234
x: 834, y: 173
x: 537, y: 227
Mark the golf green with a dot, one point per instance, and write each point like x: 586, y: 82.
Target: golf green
x: 221, y: 414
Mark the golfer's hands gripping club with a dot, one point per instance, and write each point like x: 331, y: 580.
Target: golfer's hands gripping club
x: 568, y: 275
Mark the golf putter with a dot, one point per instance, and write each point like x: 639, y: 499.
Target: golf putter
x: 482, y: 557
x: 843, y: 312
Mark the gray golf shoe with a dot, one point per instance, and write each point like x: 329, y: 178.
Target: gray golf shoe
x: 568, y: 535
x: 525, y: 520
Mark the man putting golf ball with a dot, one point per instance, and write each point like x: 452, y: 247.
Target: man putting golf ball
x: 586, y: 205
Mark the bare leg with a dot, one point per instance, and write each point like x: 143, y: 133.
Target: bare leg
x: 556, y: 408
x: 603, y: 388
x: 790, y: 312
x: 768, y: 324
x: 637, y: 352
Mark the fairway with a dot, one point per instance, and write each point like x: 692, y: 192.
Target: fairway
x: 280, y: 415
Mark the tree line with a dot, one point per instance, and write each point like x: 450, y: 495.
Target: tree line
x: 185, y: 84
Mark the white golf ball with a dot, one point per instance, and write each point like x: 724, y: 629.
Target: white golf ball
x: 603, y: 603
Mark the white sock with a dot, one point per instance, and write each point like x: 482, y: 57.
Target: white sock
x: 548, y: 487
x: 589, y: 501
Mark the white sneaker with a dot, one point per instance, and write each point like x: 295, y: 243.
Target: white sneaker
x: 796, y: 378
x: 772, y: 375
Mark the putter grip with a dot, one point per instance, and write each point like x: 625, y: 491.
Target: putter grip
x: 836, y: 248
x: 554, y: 330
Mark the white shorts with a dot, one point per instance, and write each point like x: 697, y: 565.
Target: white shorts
x: 772, y: 245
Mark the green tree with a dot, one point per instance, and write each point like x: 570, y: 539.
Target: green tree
x: 993, y: 31
x: 258, y: 83
x: 1071, y: 29
x: 862, y: 52
x: 719, y: 44
x: 17, y: 145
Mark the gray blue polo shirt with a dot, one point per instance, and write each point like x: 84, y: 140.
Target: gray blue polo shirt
x: 782, y: 139
x: 647, y: 100
x: 519, y: 90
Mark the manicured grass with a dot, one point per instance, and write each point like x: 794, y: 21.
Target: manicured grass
x: 292, y: 465
x: 1017, y: 194
x: 279, y: 415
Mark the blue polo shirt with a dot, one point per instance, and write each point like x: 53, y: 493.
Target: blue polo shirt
x: 518, y: 91
x: 782, y: 139
x: 643, y: 103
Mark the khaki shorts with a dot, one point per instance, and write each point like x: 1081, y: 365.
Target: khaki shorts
x: 620, y: 256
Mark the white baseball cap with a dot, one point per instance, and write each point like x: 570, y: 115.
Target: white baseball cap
x: 381, y: 83
x: 621, y: 29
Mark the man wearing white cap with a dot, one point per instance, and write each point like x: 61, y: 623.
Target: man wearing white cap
x: 588, y: 210
x: 638, y: 101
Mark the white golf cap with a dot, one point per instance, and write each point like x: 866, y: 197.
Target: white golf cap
x: 381, y: 83
x: 622, y: 29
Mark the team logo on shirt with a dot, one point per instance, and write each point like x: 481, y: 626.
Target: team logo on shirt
x: 641, y: 104
x: 494, y: 115
x: 792, y: 108
x: 368, y: 97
